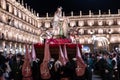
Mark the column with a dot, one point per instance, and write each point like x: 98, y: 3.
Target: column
x: 19, y: 48
x: 12, y: 48
x: 22, y: 47
x: 16, y: 49
x: 15, y: 45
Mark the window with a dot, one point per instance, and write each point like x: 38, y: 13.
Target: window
x: 3, y: 4
x: 27, y: 18
x: 4, y: 17
x: 10, y: 8
x: 16, y: 23
x: 23, y: 16
x: 30, y: 21
x: 7, y: 7
x: 15, y: 11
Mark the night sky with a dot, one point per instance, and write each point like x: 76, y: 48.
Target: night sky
x: 50, y: 6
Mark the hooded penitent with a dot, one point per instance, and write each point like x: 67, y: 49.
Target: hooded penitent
x: 81, y: 66
x: 61, y: 56
x: 44, y: 70
x: 65, y: 53
x: 26, y: 68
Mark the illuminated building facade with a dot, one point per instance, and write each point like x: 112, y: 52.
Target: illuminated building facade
x: 20, y: 25
x: 101, y: 31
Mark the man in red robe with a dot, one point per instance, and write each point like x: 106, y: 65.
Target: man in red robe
x: 80, y: 64
x: 44, y: 70
x: 26, y: 68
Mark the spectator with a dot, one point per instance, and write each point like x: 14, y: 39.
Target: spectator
x: 16, y: 67
x: 2, y: 65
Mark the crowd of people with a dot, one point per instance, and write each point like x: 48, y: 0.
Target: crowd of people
x: 106, y: 65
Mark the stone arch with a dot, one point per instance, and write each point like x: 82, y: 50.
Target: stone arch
x: 101, y: 43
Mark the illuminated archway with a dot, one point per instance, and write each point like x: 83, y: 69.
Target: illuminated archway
x: 100, y: 43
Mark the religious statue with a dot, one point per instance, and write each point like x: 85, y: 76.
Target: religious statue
x: 60, y: 23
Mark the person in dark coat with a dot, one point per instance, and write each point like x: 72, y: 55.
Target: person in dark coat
x: 2, y: 64
x: 36, y: 69
x: 118, y: 64
x: 89, y: 62
x: 52, y: 69
x: 72, y: 69
x: 58, y: 69
x: 2, y: 58
x: 115, y: 67
x: 7, y: 74
x: 16, y: 67
x: 105, y: 68
x: 67, y: 70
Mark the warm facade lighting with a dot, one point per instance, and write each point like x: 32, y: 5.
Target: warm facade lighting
x: 47, y: 24
x: 81, y: 23
x: 100, y: 22
x: 90, y: 22
x: 100, y: 31
x: 72, y: 23
x: 109, y: 22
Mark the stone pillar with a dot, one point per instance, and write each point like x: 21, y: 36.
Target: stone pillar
x: 10, y: 47
x: 30, y: 48
x: 15, y: 45
x: 22, y: 48
x: 12, y: 50
x: 16, y: 48
x: 19, y: 48
x: 2, y: 44
x: 7, y: 48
